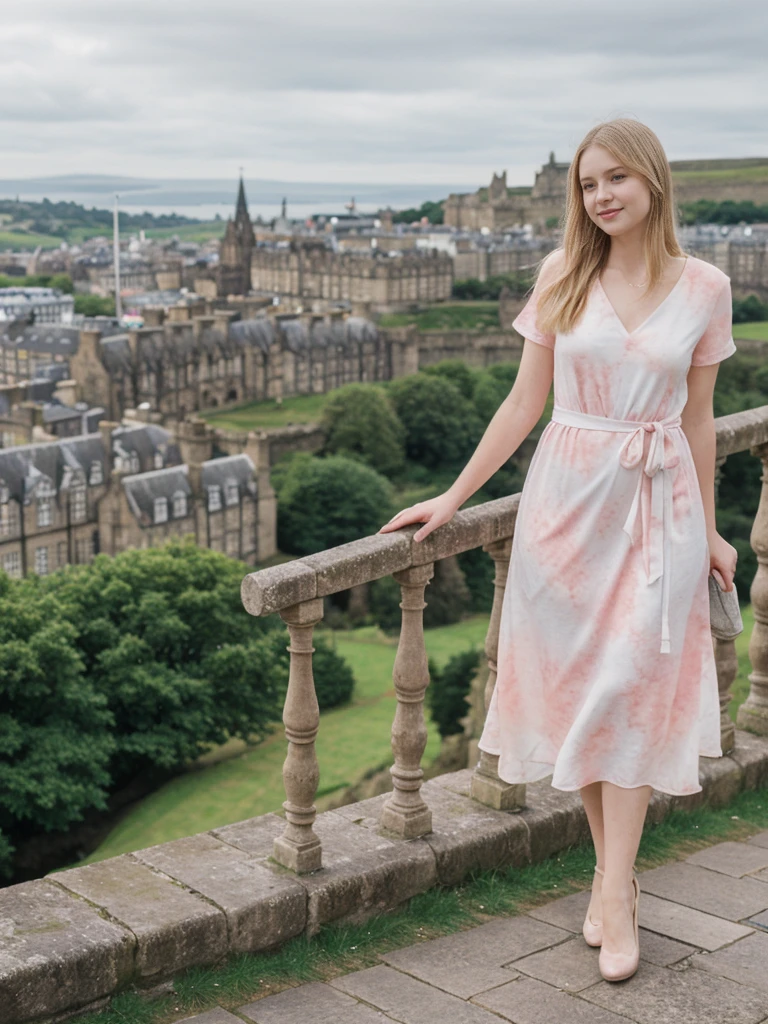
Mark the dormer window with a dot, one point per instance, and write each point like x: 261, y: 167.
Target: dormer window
x: 135, y: 465
x: 78, y: 503
x: 158, y: 460
x: 232, y: 492
x: 161, y: 510
x: 179, y: 505
x: 214, y: 499
x: 4, y: 494
x: 96, y: 475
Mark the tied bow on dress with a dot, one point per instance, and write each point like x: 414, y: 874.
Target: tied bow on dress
x: 653, y: 527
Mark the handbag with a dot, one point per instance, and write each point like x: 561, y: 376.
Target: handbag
x: 724, y: 612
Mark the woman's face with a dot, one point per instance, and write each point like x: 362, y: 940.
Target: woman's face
x: 607, y: 185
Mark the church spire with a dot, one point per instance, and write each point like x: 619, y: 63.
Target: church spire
x: 241, y: 210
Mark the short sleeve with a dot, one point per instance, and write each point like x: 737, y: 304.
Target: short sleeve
x: 525, y: 322
x: 716, y: 343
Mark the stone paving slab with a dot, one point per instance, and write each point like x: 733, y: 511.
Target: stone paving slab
x: 410, y: 1001
x: 571, y: 965
x: 711, y: 892
x: 686, y: 924
x: 528, y: 1001
x: 736, y: 859
x: 215, y: 1016
x: 173, y: 927
x: 745, y: 961
x: 658, y: 995
x: 313, y: 1003
x: 761, y: 839
x: 471, y: 961
x: 260, y: 906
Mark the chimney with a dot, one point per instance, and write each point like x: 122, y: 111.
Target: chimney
x: 195, y: 439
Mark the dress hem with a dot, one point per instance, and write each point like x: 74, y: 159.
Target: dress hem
x: 575, y: 789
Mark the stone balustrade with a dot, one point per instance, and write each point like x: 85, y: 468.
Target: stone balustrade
x: 295, y: 590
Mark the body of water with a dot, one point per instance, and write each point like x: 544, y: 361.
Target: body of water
x: 204, y: 198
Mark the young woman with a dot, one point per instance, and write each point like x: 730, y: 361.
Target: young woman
x: 606, y: 672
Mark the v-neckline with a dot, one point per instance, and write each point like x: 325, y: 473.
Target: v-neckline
x: 666, y: 298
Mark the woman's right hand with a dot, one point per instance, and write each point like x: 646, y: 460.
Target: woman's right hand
x: 432, y: 513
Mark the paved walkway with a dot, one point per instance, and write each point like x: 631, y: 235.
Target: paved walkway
x: 703, y: 948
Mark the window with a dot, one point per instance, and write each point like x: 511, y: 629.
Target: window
x: 214, y: 499
x: 161, y: 510
x: 83, y: 550
x: 233, y: 492
x: 97, y: 474
x: 9, y: 519
x: 158, y: 460
x: 12, y: 563
x: 134, y: 464
x: 41, y: 561
x: 61, y: 554
x: 179, y: 505
x: 44, y: 512
x: 9, y: 439
x: 78, y: 504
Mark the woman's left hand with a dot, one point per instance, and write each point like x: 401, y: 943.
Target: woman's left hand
x: 722, y: 558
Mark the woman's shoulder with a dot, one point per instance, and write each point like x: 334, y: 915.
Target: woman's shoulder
x: 551, y: 266
x: 708, y: 273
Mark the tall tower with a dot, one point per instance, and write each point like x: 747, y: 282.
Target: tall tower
x: 234, y: 270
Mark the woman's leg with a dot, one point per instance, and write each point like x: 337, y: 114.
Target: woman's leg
x: 623, y: 818
x: 592, y: 798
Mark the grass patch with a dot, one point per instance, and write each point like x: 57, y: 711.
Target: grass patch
x: 458, y: 316
x: 755, y: 331
x: 338, y: 949
x: 251, y: 415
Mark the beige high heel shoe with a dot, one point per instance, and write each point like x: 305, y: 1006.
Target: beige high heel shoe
x: 593, y: 933
x: 617, y: 966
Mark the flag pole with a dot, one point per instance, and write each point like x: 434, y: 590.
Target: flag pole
x: 116, y: 259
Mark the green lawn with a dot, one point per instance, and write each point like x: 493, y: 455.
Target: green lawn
x: 297, y: 409
x: 458, y: 316
x: 751, y: 332
x: 352, y: 740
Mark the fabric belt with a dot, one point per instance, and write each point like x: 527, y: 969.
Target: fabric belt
x: 655, y: 534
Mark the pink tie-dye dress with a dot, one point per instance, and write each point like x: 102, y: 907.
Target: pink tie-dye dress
x: 606, y: 666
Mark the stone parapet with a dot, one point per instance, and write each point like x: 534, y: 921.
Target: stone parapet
x: 71, y: 940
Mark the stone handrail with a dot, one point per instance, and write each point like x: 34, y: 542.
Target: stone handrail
x: 295, y: 590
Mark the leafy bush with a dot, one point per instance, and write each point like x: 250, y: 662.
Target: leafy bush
x: 448, y: 689
x: 359, y: 421
x: 458, y: 373
x: 441, y: 426
x: 323, y: 502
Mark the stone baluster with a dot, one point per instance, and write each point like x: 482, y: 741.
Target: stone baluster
x: 405, y: 811
x: 298, y: 848
x: 753, y: 713
x: 486, y: 787
x: 726, y: 661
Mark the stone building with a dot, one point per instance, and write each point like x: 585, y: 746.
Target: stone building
x: 374, y: 280
x: 499, y: 207
x: 123, y: 487
x: 185, y: 363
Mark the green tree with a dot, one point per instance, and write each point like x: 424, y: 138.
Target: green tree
x: 359, y: 420
x: 464, y: 377
x: 441, y: 426
x: 323, y: 502
x: 448, y: 689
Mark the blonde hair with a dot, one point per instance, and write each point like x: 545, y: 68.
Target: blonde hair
x: 585, y: 246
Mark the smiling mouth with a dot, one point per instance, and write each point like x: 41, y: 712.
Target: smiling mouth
x: 605, y: 213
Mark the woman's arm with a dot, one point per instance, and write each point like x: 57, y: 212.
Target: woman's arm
x: 698, y: 422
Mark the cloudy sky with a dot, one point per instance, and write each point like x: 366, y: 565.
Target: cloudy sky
x: 370, y: 90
